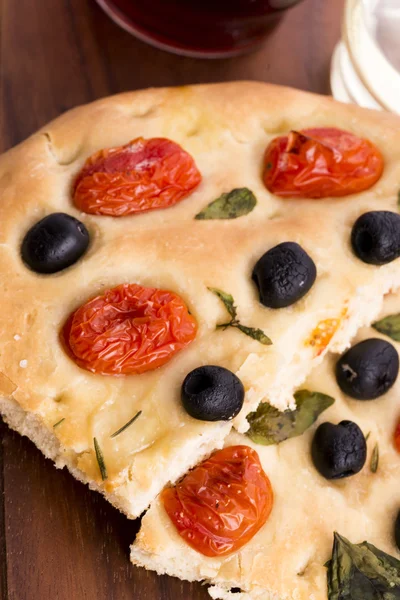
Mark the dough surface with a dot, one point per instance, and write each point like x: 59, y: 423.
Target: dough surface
x: 226, y: 128
x: 285, y: 560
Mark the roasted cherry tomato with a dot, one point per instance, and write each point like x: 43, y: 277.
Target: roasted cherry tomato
x: 321, y: 162
x: 220, y: 505
x: 322, y: 335
x: 141, y: 176
x: 130, y: 329
x: 397, y: 437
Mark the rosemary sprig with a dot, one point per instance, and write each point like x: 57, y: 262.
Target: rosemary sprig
x: 375, y: 459
x: 58, y: 423
x: 126, y: 425
x: 229, y: 303
x: 100, y: 460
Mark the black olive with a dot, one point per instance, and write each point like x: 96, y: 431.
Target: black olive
x: 283, y: 275
x: 212, y: 393
x: 368, y: 370
x: 54, y: 243
x: 397, y: 531
x: 339, y: 450
x: 376, y: 237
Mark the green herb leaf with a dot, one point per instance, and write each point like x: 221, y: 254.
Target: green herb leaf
x: 100, y: 460
x: 228, y: 301
x: 256, y: 334
x: 389, y: 326
x: 58, y: 423
x: 362, y: 572
x: 126, y: 425
x: 375, y: 459
x: 237, y: 203
x: 270, y: 426
x: 367, y: 436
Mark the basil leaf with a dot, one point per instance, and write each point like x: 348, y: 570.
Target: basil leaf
x: 255, y: 333
x: 362, y: 572
x: 237, y: 203
x: 375, y: 459
x: 100, y: 460
x: 389, y: 326
x: 270, y: 426
x: 228, y: 301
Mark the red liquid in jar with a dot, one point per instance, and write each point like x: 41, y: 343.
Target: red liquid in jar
x: 198, y: 27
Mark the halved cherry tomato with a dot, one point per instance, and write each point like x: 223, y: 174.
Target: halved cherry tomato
x: 397, y: 437
x: 129, y: 329
x: 140, y: 176
x: 220, y: 505
x: 321, y: 162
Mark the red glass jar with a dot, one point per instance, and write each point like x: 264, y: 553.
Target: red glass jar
x: 203, y: 28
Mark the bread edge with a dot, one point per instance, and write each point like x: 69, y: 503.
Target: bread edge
x: 30, y: 425
x: 217, y: 590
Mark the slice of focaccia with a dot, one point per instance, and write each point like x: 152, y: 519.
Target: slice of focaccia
x: 286, y: 559
x: 138, y: 270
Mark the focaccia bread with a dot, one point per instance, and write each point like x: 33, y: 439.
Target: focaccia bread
x: 225, y: 128
x: 285, y: 559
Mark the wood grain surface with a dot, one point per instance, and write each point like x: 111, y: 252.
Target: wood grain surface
x: 58, y: 540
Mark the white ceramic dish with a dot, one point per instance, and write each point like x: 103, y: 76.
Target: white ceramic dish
x: 363, y: 66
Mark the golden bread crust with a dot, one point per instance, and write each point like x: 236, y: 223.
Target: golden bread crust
x: 285, y: 560
x: 226, y: 128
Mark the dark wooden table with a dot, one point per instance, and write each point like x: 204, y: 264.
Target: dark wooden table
x: 58, y: 540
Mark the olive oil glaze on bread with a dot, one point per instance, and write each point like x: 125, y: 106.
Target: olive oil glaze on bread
x: 340, y: 475
x: 170, y: 219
